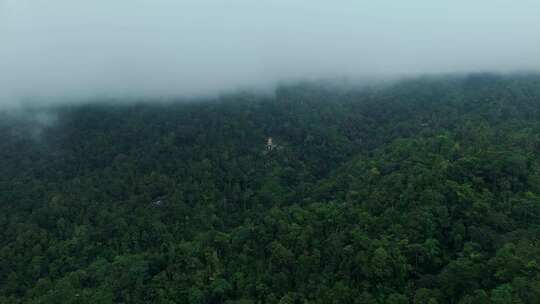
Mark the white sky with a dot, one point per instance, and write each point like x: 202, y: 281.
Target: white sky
x: 150, y: 48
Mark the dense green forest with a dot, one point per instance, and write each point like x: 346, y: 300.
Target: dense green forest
x: 425, y: 190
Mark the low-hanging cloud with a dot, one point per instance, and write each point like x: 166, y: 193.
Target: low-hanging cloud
x: 53, y: 50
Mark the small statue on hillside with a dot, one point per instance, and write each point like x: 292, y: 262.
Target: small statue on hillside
x: 269, y: 144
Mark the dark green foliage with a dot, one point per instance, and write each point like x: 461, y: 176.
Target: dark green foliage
x: 426, y: 191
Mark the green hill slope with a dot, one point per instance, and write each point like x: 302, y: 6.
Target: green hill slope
x: 424, y: 191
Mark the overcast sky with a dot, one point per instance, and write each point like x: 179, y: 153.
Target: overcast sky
x: 75, y: 48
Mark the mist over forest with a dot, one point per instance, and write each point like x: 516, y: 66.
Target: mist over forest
x: 269, y: 152
x: 66, y: 51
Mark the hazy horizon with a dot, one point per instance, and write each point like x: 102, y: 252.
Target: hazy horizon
x: 72, y: 50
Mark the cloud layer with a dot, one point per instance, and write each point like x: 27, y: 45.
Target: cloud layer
x: 52, y: 50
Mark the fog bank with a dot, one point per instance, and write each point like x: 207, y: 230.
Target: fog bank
x: 72, y: 50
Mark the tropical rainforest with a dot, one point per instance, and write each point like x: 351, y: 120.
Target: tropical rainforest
x: 424, y: 190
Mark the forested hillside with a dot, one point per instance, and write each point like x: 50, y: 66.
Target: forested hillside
x: 422, y: 191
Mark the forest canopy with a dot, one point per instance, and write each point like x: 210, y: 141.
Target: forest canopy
x: 422, y: 191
